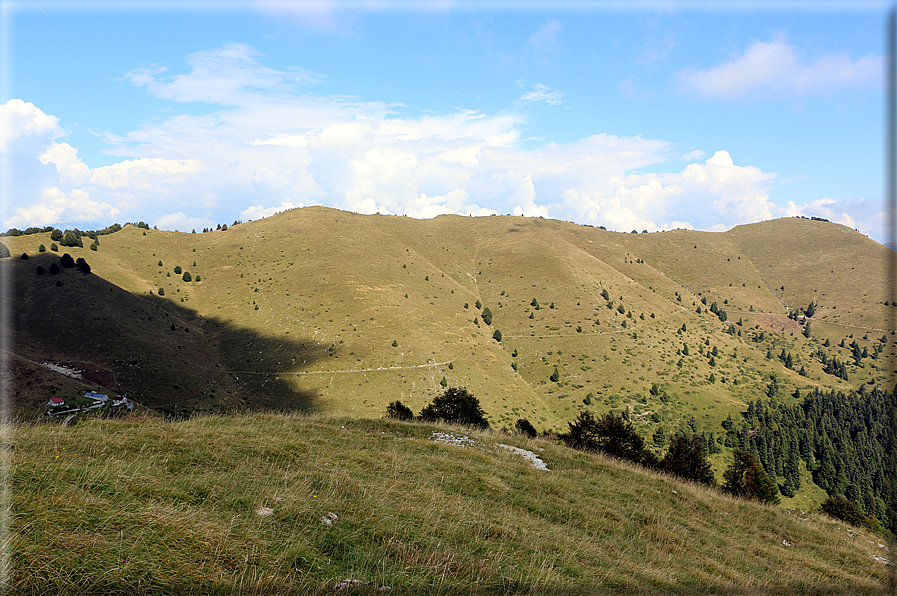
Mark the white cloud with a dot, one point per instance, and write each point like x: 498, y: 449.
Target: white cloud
x: 269, y: 149
x: 774, y: 68
x: 22, y: 120
x: 696, y: 154
x: 56, y: 206
x: 223, y: 76
x: 542, y: 93
x: 260, y: 211
x: 183, y: 223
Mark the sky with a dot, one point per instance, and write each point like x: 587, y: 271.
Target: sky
x: 650, y: 116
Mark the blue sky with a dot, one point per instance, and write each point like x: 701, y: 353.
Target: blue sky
x: 189, y: 115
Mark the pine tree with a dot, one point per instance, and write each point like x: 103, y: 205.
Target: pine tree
x: 747, y: 479
x: 687, y: 458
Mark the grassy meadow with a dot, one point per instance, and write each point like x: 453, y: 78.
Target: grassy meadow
x: 293, y: 504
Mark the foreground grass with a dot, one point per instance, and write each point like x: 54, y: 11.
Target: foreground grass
x: 152, y: 507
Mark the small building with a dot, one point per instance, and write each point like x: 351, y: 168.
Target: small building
x: 56, y: 401
x: 119, y: 400
x: 96, y: 396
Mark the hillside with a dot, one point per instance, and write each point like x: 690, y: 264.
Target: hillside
x: 320, y: 310
x: 286, y: 504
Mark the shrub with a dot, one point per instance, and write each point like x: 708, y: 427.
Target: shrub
x: 177, y: 269
x: 54, y: 268
x: 161, y: 291
x: 40, y: 270
x: 4, y: 251
x: 187, y: 276
x: 686, y: 459
x: 555, y: 376
x: 56, y: 235
x: 198, y: 278
x: 41, y: 248
x: 497, y: 335
x: 24, y: 256
x: 82, y: 266
x: 842, y: 508
x: 611, y: 435
x: 67, y: 261
x: 747, y: 479
x: 479, y: 304
x: 71, y: 239
x: 399, y: 411
x: 524, y: 427
x: 458, y: 406
x: 94, y: 246
x: 487, y: 316
x: 54, y: 248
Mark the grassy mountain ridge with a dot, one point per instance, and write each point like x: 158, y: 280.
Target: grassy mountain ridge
x: 301, y: 310
x: 241, y: 504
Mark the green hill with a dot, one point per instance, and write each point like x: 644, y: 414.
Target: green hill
x: 321, y: 310
x: 286, y: 504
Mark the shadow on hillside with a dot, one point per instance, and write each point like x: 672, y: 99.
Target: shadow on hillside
x: 163, y: 354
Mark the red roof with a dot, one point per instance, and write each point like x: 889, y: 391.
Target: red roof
x: 57, y: 400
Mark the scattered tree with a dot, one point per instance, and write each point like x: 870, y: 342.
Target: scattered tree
x: 747, y: 479
x: 687, y: 459
x: 67, y: 261
x: 458, y: 406
x: 487, y: 315
x: 53, y: 247
x: 524, y: 427
x: 41, y: 248
x: 187, y: 276
x: 177, y: 270
x: 497, y: 335
x: 161, y: 291
x: 611, y: 435
x: 399, y: 411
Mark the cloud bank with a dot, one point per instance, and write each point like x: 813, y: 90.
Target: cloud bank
x: 271, y: 144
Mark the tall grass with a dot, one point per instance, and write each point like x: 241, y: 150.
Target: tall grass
x: 234, y: 505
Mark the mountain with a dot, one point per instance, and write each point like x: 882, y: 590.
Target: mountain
x: 321, y: 310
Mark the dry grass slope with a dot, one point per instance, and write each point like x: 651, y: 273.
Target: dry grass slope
x: 236, y: 505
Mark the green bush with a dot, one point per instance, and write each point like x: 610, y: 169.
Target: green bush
x: 524, y: 427
x: 187, y: 276
x: 611, y: 435
x: 67, y: 261
x: 399, y: 411
x: 487, y: 316
x: 53, y: 247
x: 458, y: 406
x: 56, y: 235
x: 161, y: 291
x: 71, y: 239
x: 177, y: 270
x: 686, y: 459
x: 94, y: 246
x: 4, y: 251
x: 497, y: 335
x: 747, y: 479
x: 844, y: 509
x: 41, y: 248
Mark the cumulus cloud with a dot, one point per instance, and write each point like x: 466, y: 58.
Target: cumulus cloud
x: 182, y: 222
x: 270, y: 147
x: 260, y: 211
x: 56, y: 206
x: 774, y: 68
